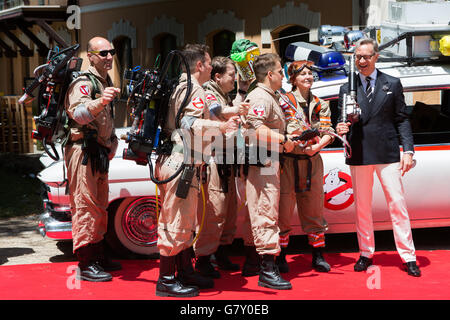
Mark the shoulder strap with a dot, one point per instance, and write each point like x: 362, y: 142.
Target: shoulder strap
x: 317, y: 106
x: 94, y: 82
x: 292, y: 99
x: 95, y: 89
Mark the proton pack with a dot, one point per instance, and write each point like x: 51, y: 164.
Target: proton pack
x: 149, y: 94
x: 60, y: 70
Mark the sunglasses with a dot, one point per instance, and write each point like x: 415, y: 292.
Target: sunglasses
x: 104, y: 53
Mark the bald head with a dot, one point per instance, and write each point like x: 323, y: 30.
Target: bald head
x: 96, y: 43
x: 101, y: 62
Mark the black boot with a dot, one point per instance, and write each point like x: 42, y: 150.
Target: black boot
x: 186, y: 273
x: 205, y: 268
x: 223, y: 261
x: 104, y: 260
x: 281, y: 262
x: 252, y: 262
x: 318, y: 261
x: 88, y: 268
x: 269, y: 275
x: 168, y: 285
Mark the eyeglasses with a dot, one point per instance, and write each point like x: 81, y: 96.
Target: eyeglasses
x: 104, y: 53
x: 366, y: 57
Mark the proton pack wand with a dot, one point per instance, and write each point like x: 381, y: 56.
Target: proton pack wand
x: 351, y: 111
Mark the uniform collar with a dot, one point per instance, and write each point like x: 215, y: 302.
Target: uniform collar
x: 94, y: 71
x: 183, y: 78
x: 213, y: 86
x: 267, y: 89
x: 300, y: 98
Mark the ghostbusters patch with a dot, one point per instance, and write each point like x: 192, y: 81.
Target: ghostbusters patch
x: 198, y: 103
x: 259, y: 110
x: 210, y: 97
x: 85, y: 90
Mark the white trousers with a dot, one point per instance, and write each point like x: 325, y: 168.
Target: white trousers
x: 390, y: 179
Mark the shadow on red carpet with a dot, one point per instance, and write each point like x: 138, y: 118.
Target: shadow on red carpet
x: 386, y: 280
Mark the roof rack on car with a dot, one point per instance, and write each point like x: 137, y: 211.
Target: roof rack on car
x: 403, y: 43
x: 415, y: 39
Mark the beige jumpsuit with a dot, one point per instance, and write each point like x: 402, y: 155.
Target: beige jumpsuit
x: 309, y: 203
x: 263, y: 188
x: 178, y: 217
x: 88, y: 192
x: 219, y: 221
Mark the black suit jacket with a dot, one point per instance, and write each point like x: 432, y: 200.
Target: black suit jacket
x: 383, y: 125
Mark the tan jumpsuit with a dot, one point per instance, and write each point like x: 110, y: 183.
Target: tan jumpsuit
x: 263, y: 186
x: 88, y: 192
x: 309, y: 202
x: 178, y: 217
x: 219, y: 226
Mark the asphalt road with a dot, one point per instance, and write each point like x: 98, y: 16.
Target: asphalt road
x: 21, y: 243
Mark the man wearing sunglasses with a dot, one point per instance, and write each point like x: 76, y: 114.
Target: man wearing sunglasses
x: 375, y: 149
x: 90, y: 146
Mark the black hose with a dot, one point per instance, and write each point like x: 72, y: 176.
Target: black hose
x: 177, y: 119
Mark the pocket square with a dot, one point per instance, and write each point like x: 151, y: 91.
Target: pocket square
x: 389, y: 92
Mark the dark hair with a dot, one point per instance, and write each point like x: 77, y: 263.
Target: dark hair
x: 263, y: 64
x: 219, y: 65
x: 194, y: 53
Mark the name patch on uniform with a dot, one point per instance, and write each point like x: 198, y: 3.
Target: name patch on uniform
x: 259, y: 110
x: 210, y: 97
x: 198, y: 103
x: 85, y: 90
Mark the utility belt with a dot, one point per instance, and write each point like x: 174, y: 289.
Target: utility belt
x: 190, y: 170
x: 245, y: 157
x: 184, y: 184
x: 297, y: 158
x: 94, y: 151
x: 256, y: 158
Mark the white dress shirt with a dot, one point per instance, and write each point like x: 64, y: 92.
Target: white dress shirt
x: 373, y: 76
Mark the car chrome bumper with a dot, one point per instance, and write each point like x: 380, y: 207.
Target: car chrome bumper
x: 54, y: 229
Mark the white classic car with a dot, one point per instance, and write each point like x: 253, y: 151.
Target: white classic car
x: 132, y: 198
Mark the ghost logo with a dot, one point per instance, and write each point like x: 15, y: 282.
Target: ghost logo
x: 338, y: 190
x: 258, y: 110
x: 84, y: 90
x: 198, y: 103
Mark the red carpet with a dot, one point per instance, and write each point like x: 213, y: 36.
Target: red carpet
x: 137, y: 280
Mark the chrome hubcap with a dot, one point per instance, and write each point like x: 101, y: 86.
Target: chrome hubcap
x: 139, y: 222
